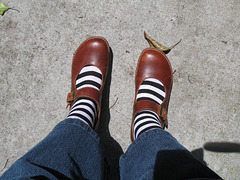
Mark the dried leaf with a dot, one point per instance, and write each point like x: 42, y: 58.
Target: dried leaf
x: 3, y: 8
x: 154, y: 43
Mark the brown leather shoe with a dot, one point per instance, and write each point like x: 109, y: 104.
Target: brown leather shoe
x: 93, y: 51
x: 153, y: 63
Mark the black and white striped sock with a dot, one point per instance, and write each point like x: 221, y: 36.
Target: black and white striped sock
x: 85, y: 109
x: 153, y: 90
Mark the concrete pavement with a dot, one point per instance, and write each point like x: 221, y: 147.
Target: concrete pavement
x: 36, y: 49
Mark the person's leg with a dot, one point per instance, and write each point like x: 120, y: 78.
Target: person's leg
x: 72, y: 150
x: 154, y: 153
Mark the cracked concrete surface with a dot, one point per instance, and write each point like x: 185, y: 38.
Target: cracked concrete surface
x: 36, y: 49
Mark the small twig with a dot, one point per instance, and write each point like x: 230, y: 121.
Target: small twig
x: 5, y: 165
x: 113, y: 103
x: 107, y: 108
x: 189, y: 79
x: 174, y: 71
x: 15, y: 9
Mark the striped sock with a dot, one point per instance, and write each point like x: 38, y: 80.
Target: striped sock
x: 153, y: 90
x: 85, y: 109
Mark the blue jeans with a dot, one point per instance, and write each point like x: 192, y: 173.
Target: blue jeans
x: 73, y: 151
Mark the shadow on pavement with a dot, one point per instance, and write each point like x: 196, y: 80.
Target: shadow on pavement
x: 112, y: 149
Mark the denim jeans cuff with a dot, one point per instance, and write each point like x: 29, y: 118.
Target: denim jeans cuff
x: 83, y: 126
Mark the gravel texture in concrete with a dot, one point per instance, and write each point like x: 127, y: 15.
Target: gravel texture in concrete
x: 36, y: 50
